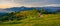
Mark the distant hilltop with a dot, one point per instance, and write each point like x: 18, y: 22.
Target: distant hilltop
x: 49, y: 9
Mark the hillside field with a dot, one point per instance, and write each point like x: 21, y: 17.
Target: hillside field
x: 44, y: 20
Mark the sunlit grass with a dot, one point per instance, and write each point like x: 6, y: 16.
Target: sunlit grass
x: 46, y: 20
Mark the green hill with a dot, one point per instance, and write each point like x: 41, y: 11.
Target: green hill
x: 30, y: 18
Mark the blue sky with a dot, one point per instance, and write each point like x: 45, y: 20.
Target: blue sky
x: 28, y: 3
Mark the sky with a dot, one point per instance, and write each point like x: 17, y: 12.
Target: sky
x: 28, y: 3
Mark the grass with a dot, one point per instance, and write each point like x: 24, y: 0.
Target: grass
x: 45, y: 20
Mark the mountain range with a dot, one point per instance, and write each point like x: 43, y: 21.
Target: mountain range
x: 49, y: 9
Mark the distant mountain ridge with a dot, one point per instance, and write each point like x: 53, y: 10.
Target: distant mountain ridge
x: 49, y: 9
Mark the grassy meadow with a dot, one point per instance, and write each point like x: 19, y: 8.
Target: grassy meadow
x: 32, y: 18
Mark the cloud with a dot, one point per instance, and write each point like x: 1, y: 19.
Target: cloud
x: 28, y: 3
x: 54, y: 5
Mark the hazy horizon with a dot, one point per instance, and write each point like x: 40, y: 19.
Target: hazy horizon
x: 28, y: 3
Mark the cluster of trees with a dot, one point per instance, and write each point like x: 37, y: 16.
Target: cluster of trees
x: 23, y: 14
x: 17, y: 15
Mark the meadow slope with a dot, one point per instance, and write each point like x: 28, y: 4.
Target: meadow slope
x: 45, y: 20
